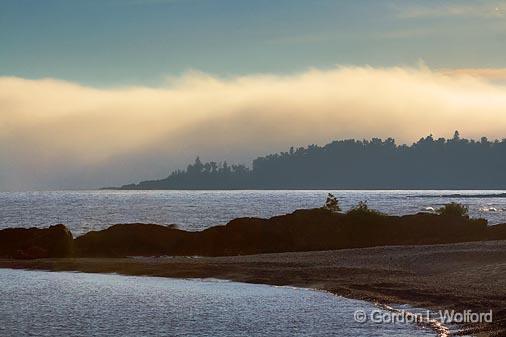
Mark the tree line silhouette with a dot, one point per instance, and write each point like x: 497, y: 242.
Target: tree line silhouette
x: 455, y: 163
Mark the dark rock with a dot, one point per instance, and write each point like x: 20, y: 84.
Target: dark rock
x: 302, y: 230
x: 133, y: 240
x: 31, y: 253
x: 497, y: 232
x: 32, y: 243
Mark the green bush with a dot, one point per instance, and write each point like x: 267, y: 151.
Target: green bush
x: 453, y: 209
x: 361, y: 209
x: 332, y: 204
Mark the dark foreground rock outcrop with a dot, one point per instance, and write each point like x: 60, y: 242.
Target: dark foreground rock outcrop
x: 303, y: 230
x: 33, y: 243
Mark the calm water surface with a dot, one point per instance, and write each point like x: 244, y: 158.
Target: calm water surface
x: 83, y: 211
x: 36, y: 303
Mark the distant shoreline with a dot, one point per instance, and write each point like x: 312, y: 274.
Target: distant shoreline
x: 463, y: 276
x: 455, y: 163
x: 454, y: 195
x: 314, y: 188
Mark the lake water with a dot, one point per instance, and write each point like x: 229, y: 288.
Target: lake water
x: 37, y: 303
x: 83, y: 211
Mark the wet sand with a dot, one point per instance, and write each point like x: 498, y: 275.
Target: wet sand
x: 466, y: 276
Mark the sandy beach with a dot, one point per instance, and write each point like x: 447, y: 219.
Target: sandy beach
x: 467, y: 276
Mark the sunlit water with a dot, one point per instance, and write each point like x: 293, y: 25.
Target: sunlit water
x: 36, y: 303
x: 83, y: 211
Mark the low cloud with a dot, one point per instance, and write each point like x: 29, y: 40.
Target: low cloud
x: 492, y: 74
x: 481, y: 8
x: 57, y: 134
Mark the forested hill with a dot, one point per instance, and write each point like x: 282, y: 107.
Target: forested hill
x: 355, y: 164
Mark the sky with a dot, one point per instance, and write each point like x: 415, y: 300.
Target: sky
x: 108, y: 92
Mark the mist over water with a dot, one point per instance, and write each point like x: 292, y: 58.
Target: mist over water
x: 83, y: 211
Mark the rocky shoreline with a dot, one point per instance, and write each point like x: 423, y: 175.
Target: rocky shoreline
x: 426, y: 260
x: 300, y: 231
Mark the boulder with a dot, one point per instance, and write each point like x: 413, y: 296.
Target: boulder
x: 33, y: 243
